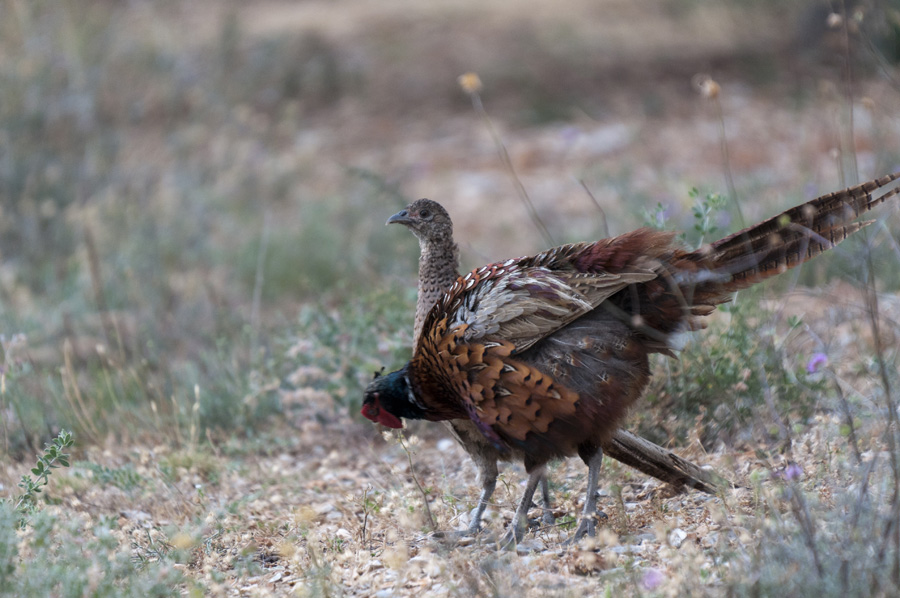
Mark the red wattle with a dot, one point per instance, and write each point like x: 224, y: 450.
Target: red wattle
x: 369, y: 412
x: 375, y: 413
x: 389, y: 420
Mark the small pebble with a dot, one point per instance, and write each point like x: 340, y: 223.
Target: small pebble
x: 534, y: 545
x: 445, y: 444
x: 676, y: 537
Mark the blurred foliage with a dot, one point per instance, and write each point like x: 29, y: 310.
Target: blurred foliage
x: 68, y: 556
x: 142, y: 288
x: 739, y: 377
x: 55, y: 456
x: 47, y: 553
x: 125, y: 478
x: 736, y: 380
x: 818, y: 547
x: 338, y: 350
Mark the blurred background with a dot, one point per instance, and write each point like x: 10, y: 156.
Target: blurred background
x: 193, y: 194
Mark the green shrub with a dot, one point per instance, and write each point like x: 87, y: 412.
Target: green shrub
x: 62, y: 555
x: 54, y: 456
x: 735, y: 376
x: 124, y: 478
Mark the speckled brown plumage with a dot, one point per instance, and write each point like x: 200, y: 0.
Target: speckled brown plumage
x: 570, y: 329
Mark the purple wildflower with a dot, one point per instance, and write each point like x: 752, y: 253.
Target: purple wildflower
x: 652, y: 579
x: 815, y: 362
x: 792, y: 472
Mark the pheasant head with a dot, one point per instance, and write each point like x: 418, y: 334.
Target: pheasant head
x: 428, y: 221
x: 388, y: 398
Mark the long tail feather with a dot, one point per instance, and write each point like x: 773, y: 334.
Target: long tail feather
x: 693, y: 283
x: 816, y: 223
x: 792, y: 237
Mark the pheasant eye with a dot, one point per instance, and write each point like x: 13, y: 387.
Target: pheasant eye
x: 426, y: 214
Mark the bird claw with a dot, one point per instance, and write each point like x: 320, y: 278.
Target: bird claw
x: 547, y: 518
x: 586, y: 527
x: 513, y: 536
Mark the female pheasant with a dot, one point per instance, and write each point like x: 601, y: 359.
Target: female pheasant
x: 546, y: 354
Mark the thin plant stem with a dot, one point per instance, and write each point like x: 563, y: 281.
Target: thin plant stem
x: 848, y: 418
x: 412, y: 472
x: 726, y: 159
x: 504, y: 156
x: 599, y: 208
x: 849, y: 133
x: 801, y: 512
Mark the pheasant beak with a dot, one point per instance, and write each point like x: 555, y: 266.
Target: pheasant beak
x: 374, y: 412
x: 401, y: 217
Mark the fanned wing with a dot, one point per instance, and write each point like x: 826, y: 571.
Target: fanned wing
x: 523, y: 301
x: 477, y: 354
x: 467, y: 357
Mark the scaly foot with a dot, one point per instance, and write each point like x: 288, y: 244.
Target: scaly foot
x: 586, y: 527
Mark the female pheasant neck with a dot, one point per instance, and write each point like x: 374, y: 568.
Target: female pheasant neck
x: 439, y: 254
x: 437, y: 272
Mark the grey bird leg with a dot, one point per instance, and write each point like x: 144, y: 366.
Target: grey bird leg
x: 520, y: 520
x: 547, y: 518
x: 587, y: 524
x: 487, y: 471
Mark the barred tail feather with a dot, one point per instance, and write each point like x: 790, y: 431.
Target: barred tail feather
x: 786, y: 255
x: 790, y: 238
x: 691, y: 284
x: 817, y: 216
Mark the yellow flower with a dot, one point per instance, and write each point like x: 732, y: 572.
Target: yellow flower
x: 470, y: 82
x: 707, y: 87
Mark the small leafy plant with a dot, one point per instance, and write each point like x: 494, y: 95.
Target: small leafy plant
x: 54, y: 456
x: 705, y: 210
x: 735, y: 373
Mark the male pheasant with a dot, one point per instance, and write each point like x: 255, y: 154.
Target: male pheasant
x: 438, y: 270
x: 546, y: 354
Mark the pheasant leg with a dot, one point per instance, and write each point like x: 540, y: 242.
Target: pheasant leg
x: 587, y: 524
x: 547, y: 518
x: 487, y: 471
x: 520, y: 520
